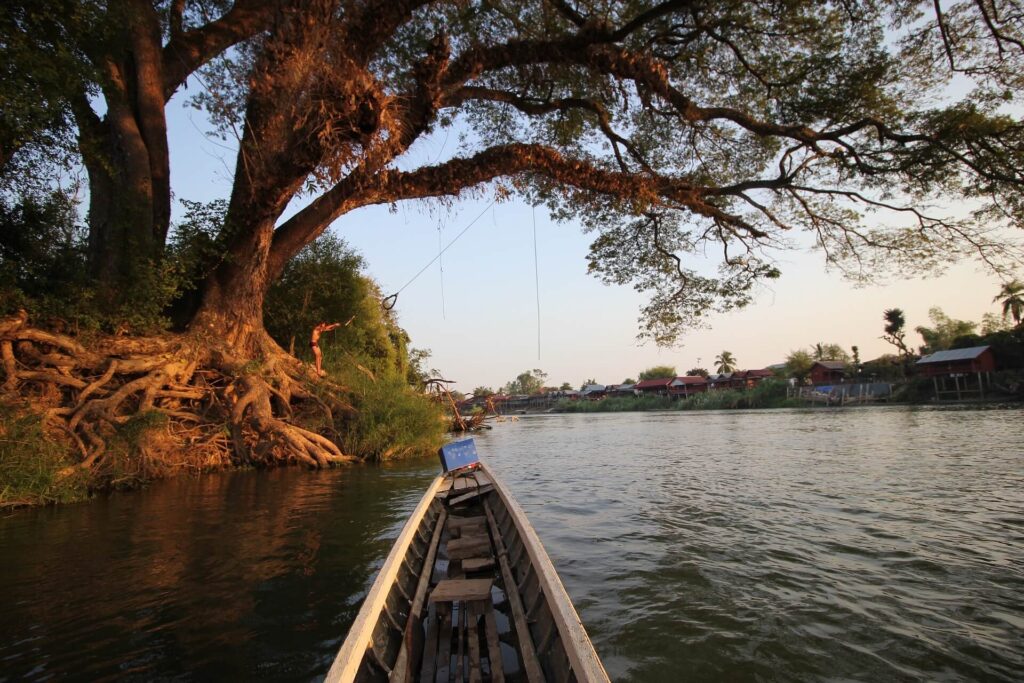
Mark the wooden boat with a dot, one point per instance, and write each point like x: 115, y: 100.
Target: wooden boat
x: 467, y: 594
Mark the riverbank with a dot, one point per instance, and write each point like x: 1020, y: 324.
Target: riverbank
x: 48, y: 455
x: 773, y: 394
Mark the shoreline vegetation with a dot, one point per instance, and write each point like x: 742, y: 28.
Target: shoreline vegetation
x: 772, y: 394
x: 41, y: 463
x: 92, y: 401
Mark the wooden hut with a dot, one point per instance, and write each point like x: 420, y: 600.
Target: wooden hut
x: 959, y: 373
x: 654, y: 387
x: 828, y: 372
x: 688, y: 386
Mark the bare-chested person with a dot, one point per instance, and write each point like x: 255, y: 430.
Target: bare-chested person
x: 314, y: 342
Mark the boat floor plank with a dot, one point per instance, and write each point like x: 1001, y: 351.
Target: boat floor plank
x: 477, y: 564
x: 493, y: 646
x: 473, y: 638
x: 457, y: 590
x: 429, y: 647
x: 444, y: 652
x: 465, y: 548
x: 460, y: 662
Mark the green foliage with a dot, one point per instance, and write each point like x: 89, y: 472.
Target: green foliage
x: 41, y: 68
x: 698, y: 372
x: 830, y: 352
x: 1011, y: 296
x: 391, y: 419
x: 44, y: 269
x: 325, y: 283
x: 617, y: 404
x: 992, y: 323
x: 658, y: 372
x: 42, y: 256
x: 886, y: 368
x: 798, y: 364
x: 34, y: 467
x: 945, y: 331
x: 725, y: 362
x: 895, y: 332
x: 528, y: 382
x: 1007, y: 347
x: 769, y: 393
x: 482, y: 391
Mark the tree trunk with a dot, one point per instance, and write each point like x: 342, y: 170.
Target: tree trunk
x: 232, y: 306
x: 127, y: 158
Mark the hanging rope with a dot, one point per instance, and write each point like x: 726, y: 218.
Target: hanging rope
x: 389, y: 302
x: 440, y: 269
x: 536, y: 277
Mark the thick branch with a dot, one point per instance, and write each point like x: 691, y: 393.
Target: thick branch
x: 188, y: 51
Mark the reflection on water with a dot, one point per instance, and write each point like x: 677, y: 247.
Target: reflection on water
x: 865, y: 544
x: 225, y: 577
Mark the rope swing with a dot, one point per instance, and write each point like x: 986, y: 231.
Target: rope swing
x: 389, y: 302
x: 536, y: 277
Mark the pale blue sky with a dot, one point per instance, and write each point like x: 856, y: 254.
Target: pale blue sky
x: 487, y: 331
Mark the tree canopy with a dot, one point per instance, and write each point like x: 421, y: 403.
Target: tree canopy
x: 671, y: 129
x: 798, y: 364
x: 943, y: 332
x: 658, y: 372
x: 527, y: 382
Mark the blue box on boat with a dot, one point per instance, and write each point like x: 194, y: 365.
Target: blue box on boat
x: 458, y: 455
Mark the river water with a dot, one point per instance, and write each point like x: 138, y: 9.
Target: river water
x: 831, y: 545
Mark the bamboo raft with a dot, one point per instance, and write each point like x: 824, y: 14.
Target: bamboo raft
x: 467, y: 594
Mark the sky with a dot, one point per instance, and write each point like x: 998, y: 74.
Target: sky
x: 476, y: 309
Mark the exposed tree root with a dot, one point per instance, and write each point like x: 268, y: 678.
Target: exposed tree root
x: 195, y: 388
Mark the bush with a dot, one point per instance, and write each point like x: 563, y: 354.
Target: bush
x: 616, y: 404
x: 391, y: 420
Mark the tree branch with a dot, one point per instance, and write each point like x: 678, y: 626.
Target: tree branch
x: 190, y: 50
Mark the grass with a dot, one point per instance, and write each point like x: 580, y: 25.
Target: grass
x: 391, y: 420
x: 34, y: 466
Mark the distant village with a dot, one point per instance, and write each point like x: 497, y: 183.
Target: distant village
x: 955, y: 374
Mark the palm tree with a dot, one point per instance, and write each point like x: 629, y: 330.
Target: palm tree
x: 726, y: 362
x: 1011, y: 296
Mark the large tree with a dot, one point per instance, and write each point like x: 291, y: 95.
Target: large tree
x: 670, y: 128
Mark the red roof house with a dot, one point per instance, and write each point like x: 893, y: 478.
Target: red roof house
x: 688, y: 385
x: 657, y: 387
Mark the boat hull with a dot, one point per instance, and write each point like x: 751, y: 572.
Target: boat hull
x: 467, y: 593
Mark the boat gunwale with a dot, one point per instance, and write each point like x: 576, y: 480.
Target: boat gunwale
x: 353, y: 649
x: 583, y: 659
